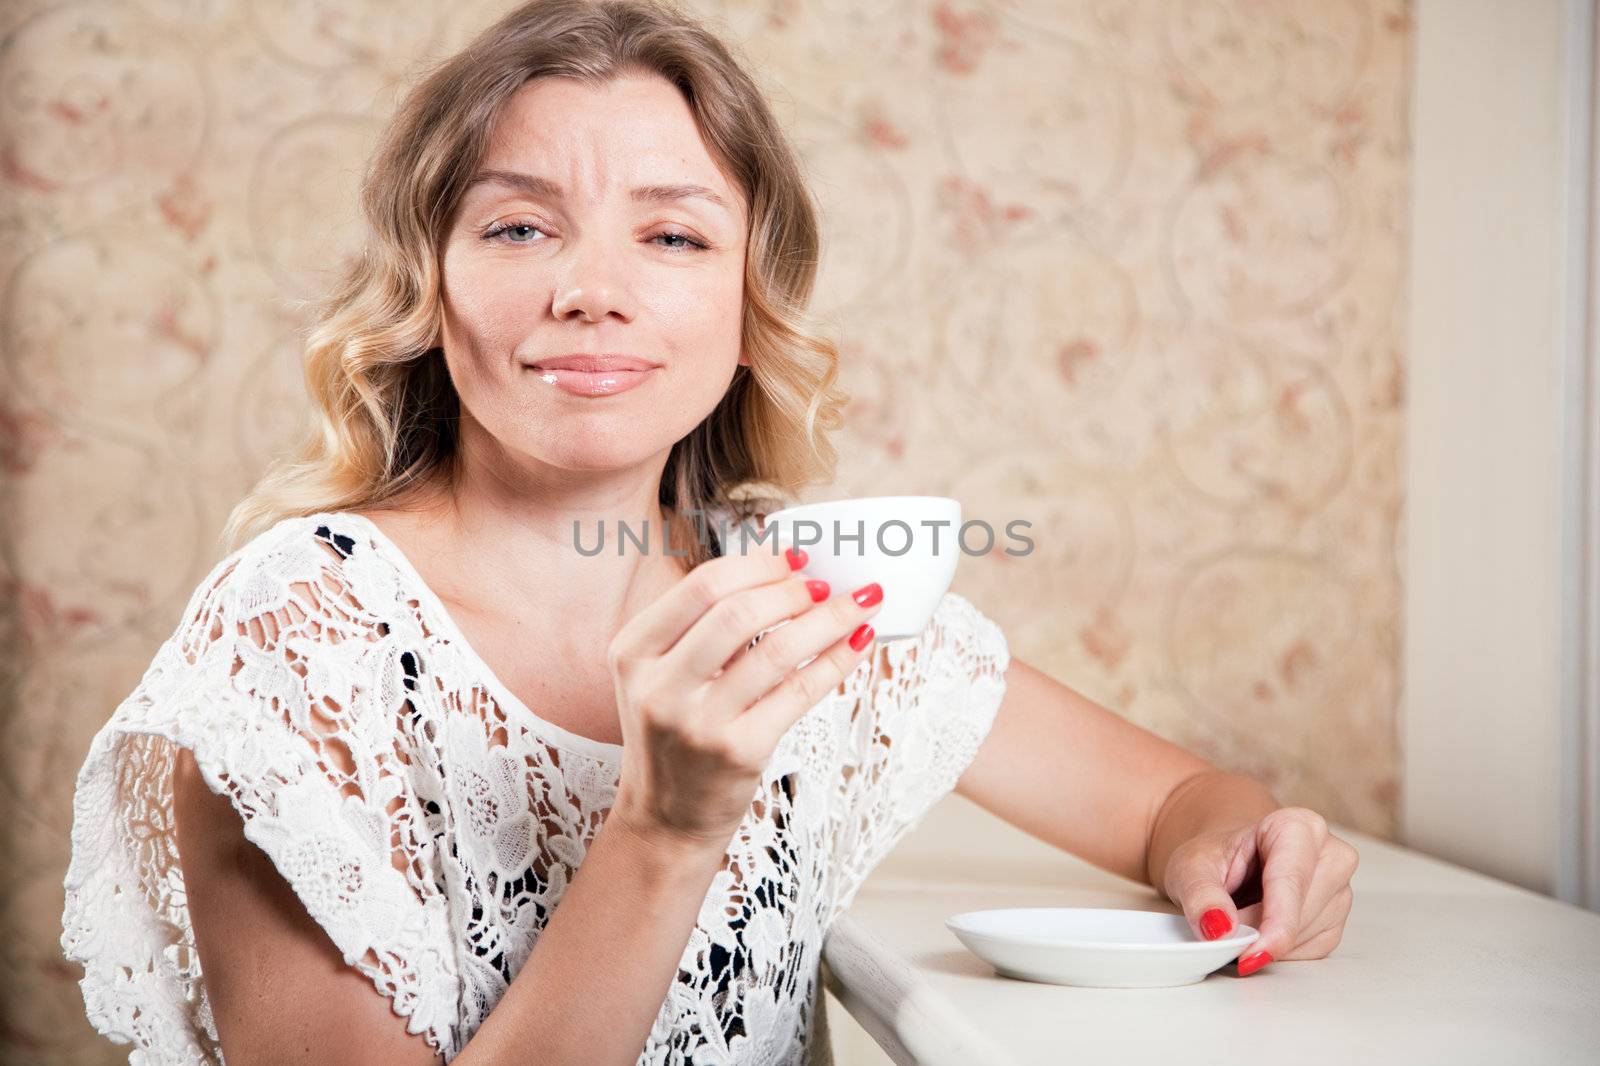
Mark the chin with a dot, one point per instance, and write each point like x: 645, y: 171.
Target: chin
x: 612, y: 434
x: 595, y: 451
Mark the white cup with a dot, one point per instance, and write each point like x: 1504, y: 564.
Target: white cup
x: 854, y: 542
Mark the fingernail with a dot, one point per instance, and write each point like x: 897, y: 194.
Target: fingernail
x: 1251, y: 963
x: 867, y: 595
x: 797, y: 558
x: 818, y: 590
x: 860, y: 637
x: 1214, y: 923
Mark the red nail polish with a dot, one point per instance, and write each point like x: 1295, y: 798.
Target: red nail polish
x: 1214, y: 923
x: 1251, y: 963
x: 860, y: 637
x: 867, y: 595
x: 818, y: 590
x: 797, y: 558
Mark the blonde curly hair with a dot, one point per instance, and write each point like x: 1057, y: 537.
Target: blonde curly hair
x: 385, y: 411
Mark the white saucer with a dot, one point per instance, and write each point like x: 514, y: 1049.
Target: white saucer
x: 1095, y: 947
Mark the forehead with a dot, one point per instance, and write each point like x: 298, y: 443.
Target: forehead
x: 632, y: 129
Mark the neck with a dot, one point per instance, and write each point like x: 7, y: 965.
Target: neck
x: 537, y: 516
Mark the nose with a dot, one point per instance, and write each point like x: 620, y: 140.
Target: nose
x: 593, y: 286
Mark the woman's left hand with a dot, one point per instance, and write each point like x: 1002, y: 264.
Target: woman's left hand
x: 1291, y: 872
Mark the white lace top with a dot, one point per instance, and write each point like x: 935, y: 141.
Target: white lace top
x: 430, y: 821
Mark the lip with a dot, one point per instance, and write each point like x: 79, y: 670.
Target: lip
x: 591, y: 363
x: 593, y: 382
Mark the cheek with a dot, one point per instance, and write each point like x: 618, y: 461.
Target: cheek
x: 477, y: 294
x: 703, y: 315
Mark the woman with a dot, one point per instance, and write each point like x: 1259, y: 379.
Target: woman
x: 404, y: 718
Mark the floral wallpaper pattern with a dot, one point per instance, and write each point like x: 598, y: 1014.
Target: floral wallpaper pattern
x: 1129, y: 270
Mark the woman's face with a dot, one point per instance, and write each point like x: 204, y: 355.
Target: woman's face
x: 560, y: 248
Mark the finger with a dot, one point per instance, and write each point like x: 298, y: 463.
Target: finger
x: 743, y: 649
x: 1338, y: 855
x: 1324, y: 931
x: 819, y: 591
x: 1288, y: 848
x: 1200, y: 888
x: 781, y: 651
x: 1335, y: 863
x: 770, y: 717
x: 748, y: 646
x: 734, y: 621
x: 657, y: 627
x: 1321, y: 945
x: 1251, y: 916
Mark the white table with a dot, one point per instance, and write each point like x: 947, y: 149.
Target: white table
x: 1438, y: 965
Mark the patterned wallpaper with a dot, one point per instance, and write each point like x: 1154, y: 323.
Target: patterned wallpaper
x: 1127, y: 269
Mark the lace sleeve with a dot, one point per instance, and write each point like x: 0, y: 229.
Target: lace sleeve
x: 928, y: 706
x: 297, y: 709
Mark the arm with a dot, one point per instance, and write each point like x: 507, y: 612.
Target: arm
x: 1217, y: 844
x: 282, y: 994
x: 1078, y: 776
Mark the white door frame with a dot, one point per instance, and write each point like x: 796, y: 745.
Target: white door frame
x: 1577, y: 873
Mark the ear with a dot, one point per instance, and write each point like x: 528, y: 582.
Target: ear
x: 744, y: 360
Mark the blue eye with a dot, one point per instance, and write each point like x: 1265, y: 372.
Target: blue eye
x: 669, y: 235
x: 500, y: 228
x: 511, y: 233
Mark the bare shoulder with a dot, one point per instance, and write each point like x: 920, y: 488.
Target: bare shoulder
x: 419, y: 533
x: 423, y: 531
x: 408, y: 528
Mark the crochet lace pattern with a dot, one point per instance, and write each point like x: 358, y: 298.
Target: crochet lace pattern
x: 430, y: 821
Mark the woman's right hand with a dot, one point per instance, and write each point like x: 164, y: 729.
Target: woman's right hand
x: 701, y: 711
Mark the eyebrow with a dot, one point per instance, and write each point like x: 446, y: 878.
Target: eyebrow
x: 533, y: 185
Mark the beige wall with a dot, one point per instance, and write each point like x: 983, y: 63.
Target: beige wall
x: 1132, y: 271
